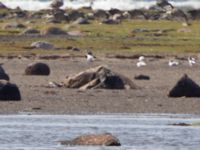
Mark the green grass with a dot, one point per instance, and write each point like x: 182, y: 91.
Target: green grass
x: 196, y: 124
x: 103, y: 38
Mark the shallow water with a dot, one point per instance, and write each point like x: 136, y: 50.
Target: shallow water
x: 135, y: 131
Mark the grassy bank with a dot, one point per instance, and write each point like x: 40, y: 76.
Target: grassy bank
x: 156, y: 37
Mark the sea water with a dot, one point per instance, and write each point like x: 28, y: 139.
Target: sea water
x: 97, y: 4
x: 135, y: 131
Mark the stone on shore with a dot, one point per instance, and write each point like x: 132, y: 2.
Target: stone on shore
x: 9, y: 91
x: 37, y: 69
x: 185, y: 87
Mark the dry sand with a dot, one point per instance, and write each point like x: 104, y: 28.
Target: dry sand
x: 151, y: 97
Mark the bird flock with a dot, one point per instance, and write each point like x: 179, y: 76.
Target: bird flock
x: 141, y: 60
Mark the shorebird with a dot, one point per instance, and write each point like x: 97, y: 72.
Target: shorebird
x: 173, y: 63
x: 141, y: 62
x: 191, y: 61
x: 90, y: 57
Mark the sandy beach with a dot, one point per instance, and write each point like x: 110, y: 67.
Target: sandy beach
x: 150, y: 97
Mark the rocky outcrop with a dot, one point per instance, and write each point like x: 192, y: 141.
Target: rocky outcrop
x: 99, y: 77
x: 9, y: 91
x: 37, y: 69
x: 105, y: 139
x: 185, y: 87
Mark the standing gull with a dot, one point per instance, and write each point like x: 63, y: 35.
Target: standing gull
x: 191, y: 61
x: 173, y: 63
x: 141, y: 62
x: 90, y: 57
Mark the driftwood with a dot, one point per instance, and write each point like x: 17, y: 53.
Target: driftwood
x: 99, y: 77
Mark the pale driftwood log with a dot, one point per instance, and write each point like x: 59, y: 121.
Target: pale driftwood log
x: 99, y: 77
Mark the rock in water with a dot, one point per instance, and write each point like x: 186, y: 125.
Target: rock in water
x: 9, y: 91
x: 37, y: 69
x: 56, y: 4
x: 185, y: 87
x: 105, y: 139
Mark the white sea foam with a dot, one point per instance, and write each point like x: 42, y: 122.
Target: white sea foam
x: 97, y: 4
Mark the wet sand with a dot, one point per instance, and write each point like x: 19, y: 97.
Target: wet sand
x: 150, y: 97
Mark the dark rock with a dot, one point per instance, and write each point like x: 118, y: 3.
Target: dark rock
x: 195, y: 14
x: 56, y: 4
x: 101, y: 14
x: 114, y: 11
x: 54, y: 31
x: 18, y: 13
x: 137, y: 14
x: 185, y: 87
x: 30, y: 32
x: 142, y: 77
x: 164, y: 4
x: 74, y: 15
x: 105, y: 139
x: 2, y: 6
x: 181, y: 124
x: 58, y: 16
x: 9, y: 91
x: 3, y: 75
x: 110, y: 21
x: 37, y: 69
x: 99, y: 77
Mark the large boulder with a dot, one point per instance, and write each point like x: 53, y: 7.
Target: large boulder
x: 105, y: 139
x: 37, y: 69
x: 3, y: 74
x: 9, y: 91
x: 99, y: 77
x: 185, y: 87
